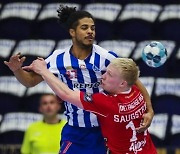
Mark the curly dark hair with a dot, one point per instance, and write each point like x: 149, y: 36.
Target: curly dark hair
x: 69, y: 16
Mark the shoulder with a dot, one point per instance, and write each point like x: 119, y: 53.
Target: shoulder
x: 135, y: 88
x: 57, y: 52
x: 36, y: 124
x: 103, y: 52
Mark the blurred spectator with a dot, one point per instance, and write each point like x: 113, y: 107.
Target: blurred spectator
x: 44, y: 136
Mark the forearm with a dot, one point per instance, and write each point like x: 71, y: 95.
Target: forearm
x: 146, y: 96
x: 28, y: 79
x: 61, y: 89
x: 56, y: 85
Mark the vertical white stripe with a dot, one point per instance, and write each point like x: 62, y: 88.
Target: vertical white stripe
x: 80, y: 111
x: 67, y: 62
x: 80, y: 118
x: 70, y: 109
x: 93, y: 119
x: 92, y: 56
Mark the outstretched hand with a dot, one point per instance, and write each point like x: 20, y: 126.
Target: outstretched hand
x: 38, y: 66
x: 146, y: 122
x: 15, y: 62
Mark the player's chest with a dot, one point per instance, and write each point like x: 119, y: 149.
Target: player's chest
x: 81, y: 71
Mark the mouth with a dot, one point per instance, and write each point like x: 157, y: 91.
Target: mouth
x: 90, y: 38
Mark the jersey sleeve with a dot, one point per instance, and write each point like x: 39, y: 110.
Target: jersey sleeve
x: 26, y: 148
x: 97, y: 103
x: 110, y: 56
x: 51, y: 62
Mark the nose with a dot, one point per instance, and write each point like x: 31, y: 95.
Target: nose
x: 89, y: 30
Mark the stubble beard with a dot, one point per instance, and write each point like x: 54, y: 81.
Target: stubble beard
x: 83, y: 45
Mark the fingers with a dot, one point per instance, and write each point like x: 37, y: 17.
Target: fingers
x: 40, y: 58
x: 144, y: 120
x: 22, y: 59
x: 6, y: 63
x: 145, y: 123
x: 141, y: 129
x: 14, y: 58
x: 28, y: 68
x: 18, y: 55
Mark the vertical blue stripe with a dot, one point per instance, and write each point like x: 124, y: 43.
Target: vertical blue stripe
x: 97, y: 60
x: 92, y: 73
x: 62, y: 70
x: 80, y: 79
x: 75, y: 65
x: 66, y: 111
x: 75, y: 109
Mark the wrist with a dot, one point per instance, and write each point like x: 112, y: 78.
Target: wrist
x: 43, y: 72
x: 16, y: 70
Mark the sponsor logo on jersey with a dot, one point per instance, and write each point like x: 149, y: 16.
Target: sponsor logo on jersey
x: 95, y: 68
x: 88, y: 97
x: 125, y: 108
x: 72, y: 74
x: 86, y: 85
x: 131, y: 116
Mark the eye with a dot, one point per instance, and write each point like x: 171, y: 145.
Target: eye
x: 84, y: 27
x: 93, y: 28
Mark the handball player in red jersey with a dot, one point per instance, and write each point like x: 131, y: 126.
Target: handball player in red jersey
x: 120, y: 109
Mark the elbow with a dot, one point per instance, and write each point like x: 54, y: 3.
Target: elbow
x: 30, y: 84
x: 152, y: 112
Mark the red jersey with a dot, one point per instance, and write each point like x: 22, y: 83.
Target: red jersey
x: 118, y: 116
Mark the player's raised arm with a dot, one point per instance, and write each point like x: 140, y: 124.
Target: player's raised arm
x: 61, y: 89
x: 28, y: 79
x: 147, y: 118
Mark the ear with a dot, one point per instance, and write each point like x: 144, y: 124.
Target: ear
x: 123, y: 84
x: 72, y: 32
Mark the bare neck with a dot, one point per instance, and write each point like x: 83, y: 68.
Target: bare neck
x: 51, y: 120
x: 123, y: 90
x: 80, y: 52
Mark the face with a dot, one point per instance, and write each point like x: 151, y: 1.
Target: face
x: 84, y: 33
x: 49, y: 105
x: 111, y: 80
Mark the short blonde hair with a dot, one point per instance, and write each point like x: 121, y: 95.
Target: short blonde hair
x: 128, y: 69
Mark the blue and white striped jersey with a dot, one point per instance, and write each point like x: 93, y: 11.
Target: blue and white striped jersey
x: 84, y: 75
